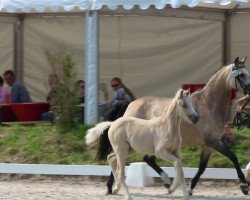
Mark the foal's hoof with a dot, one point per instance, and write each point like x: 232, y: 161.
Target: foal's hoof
x: 244, y: 188
x: 170, y: 190
x: 116, y: 189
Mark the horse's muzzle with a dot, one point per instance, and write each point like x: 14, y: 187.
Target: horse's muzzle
x: 195, y: 118
x: 247, y: 89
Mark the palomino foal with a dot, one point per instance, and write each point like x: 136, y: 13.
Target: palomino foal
x: 160, y: 137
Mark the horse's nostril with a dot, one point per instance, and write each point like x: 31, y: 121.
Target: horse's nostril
x: 195, y: 118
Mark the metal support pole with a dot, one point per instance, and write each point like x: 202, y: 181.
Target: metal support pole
x: 227, y: 39
x: 18, y: 48
x: 91, y: 68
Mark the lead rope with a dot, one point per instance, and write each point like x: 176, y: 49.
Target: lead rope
x: 241, y: 117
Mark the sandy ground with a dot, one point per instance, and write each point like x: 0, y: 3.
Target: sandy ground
x: 85, y: 188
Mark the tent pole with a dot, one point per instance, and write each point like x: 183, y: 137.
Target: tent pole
x: 18, y: 48
x: 227, y: 39
x: 91, y: 68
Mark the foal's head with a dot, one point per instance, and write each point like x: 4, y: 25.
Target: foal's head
x: 185, y: 107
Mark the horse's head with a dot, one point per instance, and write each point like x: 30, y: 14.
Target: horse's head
x: 239, y: 76
x: 185, y: 107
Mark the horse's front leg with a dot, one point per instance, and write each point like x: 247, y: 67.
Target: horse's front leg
x: 205, y: 155
x: 150, y: 160
x: 219, y: 146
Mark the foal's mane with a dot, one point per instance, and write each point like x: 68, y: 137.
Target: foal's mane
x: 173, y: 100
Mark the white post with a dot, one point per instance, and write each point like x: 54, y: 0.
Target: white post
x: 137, y: 175
x: 91, y: 68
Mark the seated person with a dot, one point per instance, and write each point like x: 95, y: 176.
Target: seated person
x: 121, y: 98
x: 54, y: 83
x: 80, y: 84
x: 19, y: 93
x: 4, y: 94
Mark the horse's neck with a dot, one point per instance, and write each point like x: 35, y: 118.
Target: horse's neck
x: 217, y: 94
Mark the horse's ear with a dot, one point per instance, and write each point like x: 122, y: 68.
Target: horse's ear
x: 243, y: 60
x: 237, y: 62
x: 181, y: 93
x: 187, y: 92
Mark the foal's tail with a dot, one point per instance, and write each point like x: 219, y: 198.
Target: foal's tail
x: 100, y: 131
x: 94, y: 133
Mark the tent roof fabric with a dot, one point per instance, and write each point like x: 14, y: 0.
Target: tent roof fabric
x: 27, y: 6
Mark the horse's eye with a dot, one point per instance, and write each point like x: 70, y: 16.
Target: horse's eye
x: 184, y: 105
x: 241, y: 75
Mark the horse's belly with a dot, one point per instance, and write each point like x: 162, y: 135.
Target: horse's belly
x: 143, y: 147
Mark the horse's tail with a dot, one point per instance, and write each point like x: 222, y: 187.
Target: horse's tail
x: 95, y: 133
x: 104, y: 147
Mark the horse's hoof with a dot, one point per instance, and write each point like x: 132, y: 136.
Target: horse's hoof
x: 166, y: 185
x: 190, y: 192
x: 244, y: 188
x: 166, y: 180
x: 109, y: 192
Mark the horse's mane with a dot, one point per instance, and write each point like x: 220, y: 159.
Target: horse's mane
x: 209, y: 80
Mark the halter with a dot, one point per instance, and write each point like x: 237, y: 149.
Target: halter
x: 241, y: 119
x: 236, y: 76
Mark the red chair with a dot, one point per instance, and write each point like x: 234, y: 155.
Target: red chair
x: 193, y: 87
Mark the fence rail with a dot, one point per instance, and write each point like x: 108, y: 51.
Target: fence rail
x: 104, y: 170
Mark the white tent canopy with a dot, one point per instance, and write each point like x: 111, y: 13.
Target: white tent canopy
x: 27, y: 6
x: 125, y: 45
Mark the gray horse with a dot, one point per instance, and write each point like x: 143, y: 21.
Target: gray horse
x: 212, y: 104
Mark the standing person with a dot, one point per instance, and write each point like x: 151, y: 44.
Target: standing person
x: 121, y: 98
x: 240, y: 103
x: 19, y: 93
x: 248, y: 173
x: 4, y: 94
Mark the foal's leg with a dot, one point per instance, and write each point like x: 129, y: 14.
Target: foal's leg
x: 180, y: 174
x: 121, y: 160
x: 113, y: 163
x: 219, y: 146
x: 206, y: 152
x: 163, y: 154
x: 150, y: 160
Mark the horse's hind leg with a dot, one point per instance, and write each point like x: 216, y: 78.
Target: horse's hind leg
x: 223, y: 149
x: 150, y: 160
x: 206, y: 152
x: 110, y: 183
